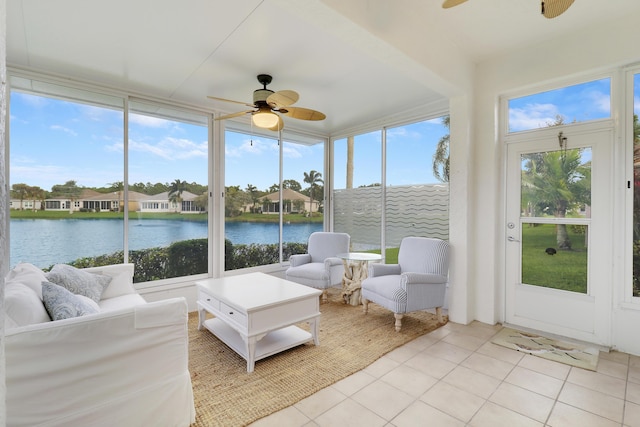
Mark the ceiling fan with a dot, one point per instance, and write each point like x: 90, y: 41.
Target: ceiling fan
x: 266, y: 103
x: 549, y: 8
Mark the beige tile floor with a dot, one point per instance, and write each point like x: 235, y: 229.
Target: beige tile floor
x: 455, y: 376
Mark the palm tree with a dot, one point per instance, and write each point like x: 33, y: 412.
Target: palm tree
x: 312, y: 178
x: 70, y: 190
x: 441, y: 155
x: 20, y: 191
x: 557, y: 182
x: 252, y: 190
x: 176, y: 189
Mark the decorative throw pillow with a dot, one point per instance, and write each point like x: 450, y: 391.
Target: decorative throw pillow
x: 22, y: 306
x: 120, y: 285
x: 29, y: 275
x: 79, y: 282
x: 62, y: 304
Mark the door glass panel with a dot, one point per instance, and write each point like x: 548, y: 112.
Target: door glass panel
x: 555, y: 186
x: 544, y: 265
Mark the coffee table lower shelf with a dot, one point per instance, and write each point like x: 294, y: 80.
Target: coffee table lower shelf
x: 272, y: 343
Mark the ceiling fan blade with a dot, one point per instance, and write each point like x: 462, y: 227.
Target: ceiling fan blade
x: 230, y: 116
x: 553, y: 8
x: 282, y: 98
x: 304, y: 114
x: 230, y: 100
x: 450, y: 3
x: 279, y: 125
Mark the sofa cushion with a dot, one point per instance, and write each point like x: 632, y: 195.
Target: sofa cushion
x: 27, y: 274
x: 122, y: 301
x: 120, y: 285
x: 23, y: 306
x: 79, y: 282
x: 63, y: 304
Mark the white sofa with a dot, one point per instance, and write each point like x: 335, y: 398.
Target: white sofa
x: 125, y: 365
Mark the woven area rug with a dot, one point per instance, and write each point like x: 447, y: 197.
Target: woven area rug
x: 226, y: 395
x: 560, y: 351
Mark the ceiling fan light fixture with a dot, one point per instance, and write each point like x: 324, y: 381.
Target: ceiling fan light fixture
x: 265, y: 118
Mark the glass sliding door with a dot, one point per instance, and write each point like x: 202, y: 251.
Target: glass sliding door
x: 167, y: 192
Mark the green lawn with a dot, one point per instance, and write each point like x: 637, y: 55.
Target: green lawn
x: 567, y: 269
x: 247, y: 217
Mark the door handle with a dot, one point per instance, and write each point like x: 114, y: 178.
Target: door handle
x: 512, y: 239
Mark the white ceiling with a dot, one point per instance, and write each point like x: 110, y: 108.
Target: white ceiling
x: 339, y: 56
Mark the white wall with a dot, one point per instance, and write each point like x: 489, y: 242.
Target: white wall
x: 597, y: 49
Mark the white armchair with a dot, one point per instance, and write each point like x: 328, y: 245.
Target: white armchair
x: 320, y: 268
x: 417, y: 282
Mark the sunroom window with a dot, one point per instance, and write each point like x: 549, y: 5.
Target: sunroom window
x: 569, y: 104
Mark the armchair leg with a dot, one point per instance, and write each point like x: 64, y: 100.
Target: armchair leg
x: 439, y: 314
x: 325, y: 296
x: 365, y: 306
x: 398, y: 321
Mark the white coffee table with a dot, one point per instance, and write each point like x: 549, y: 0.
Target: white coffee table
x: 255, y: 313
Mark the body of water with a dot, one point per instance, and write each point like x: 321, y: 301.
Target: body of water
x: 44, y: 242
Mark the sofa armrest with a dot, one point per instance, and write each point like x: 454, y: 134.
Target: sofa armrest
x: 94, y: 367
x: 377, y: 269
x: 299, y: 259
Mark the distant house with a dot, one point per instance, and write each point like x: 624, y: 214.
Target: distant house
x: 91, y: 200
x: 292, y: 202
x: 160, y: 203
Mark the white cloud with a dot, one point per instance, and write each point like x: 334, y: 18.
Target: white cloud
x: 290, y: 151
x: 601, y: 101
x: 250, y: 146
x: 148, y: 121
x: 169, y: 148
x: 532, y: 116
x: 63, y: 129
x: 184, y: 148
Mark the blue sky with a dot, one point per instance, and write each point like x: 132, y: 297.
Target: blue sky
x: 587, y: 101
x: 54, y: 141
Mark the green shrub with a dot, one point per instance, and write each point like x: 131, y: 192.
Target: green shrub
x: 189, y: 257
